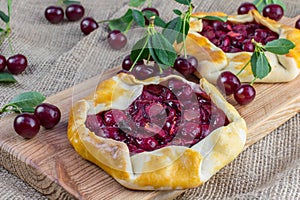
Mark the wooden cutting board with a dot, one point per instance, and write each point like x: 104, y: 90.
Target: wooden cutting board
x: 49, y: 163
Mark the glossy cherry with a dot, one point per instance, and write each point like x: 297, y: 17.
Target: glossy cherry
x: 193, y: 63
x: 88, y: 25
x: 49, y: 115
x: 116, y: 39
x: 244, y: 94
x: 143, y: 72
x: 244, y: 8
x: 186, y: 66
x: 150, y: 9
x: 273, y: 11
x: 54, y: 14
x: 228, y: 82
x: 2, y: 63
x: 127, y: 63
x: 297, y: 24
x: 74, y: 12
x: 26, y: 125
x: 16, y: 64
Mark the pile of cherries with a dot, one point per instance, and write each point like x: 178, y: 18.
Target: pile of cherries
x: 228, y: 83
x: 171, y: 113
x: 15, y: 64
x: 28, y: 125
x: 233, y: 38
x: 55, y: 14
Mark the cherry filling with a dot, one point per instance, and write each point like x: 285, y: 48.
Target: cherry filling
x: 168, y: 114
x: 233, y: 38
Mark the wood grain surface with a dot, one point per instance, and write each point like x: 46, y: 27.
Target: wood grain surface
x: 49, y: 163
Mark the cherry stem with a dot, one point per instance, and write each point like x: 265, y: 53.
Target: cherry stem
x: 144, y: 46
x: 10, y: 46
x: 102, y: 21
x: 253, y: 80
x: 243, y: 68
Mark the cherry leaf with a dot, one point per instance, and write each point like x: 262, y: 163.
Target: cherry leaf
x: 7, y: 78
x: 172, y: 29
x: 162, y: 50
x: 177, y: 12
x: 136, y: 3
x: 27, y: 100
x: 260, y: 65
x: 260, y: 4
x: 138, y: 17
x: 139, y: 50
x: 4, y: 17
x: 217, y: 18
x: 281, y: 46
x: 123, y: 23
x: 69, y: 2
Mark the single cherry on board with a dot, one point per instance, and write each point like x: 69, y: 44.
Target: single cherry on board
x: 127, y: 63
x: 228, y: 82
x: 16, y: 64
x: 49, y: 115
x: 54, y: 14
x: 2, y: 63
x: 297, y: 24
x: 88, y: 25
x: 244, y: 8
x: 74, y: 12
x: 116, y: 39
x: 26, y: 125
x: 244, y: 94
x: 273, y: 11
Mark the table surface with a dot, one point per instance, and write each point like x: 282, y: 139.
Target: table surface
x: 57, y: 60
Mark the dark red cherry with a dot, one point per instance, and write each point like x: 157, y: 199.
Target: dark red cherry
x: 183, y: 66
x: 245, y: 8
x: 16, y: 64
x: 273, y: 11
x: 297, y: 24
x: 228, y: 82
x: 74, y: 12
x: 54, y: 14
x: 153, y: 10
x: 193, y: 63
x: 248, y: 46
x: 48, y: 115
x: 88, y: 25
x: 127, y: 63
x: 143, y: 72
x: 244, y: 94
x: 116, y: 39
x: 2, y: 63
x: 26, y: 125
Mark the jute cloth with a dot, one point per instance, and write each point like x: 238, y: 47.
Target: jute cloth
x: 60, y: 56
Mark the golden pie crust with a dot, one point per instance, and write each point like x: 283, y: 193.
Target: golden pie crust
x: 213, y: 61
x: 171, y: 167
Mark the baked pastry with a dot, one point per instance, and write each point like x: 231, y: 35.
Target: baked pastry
x: 159, y: 133
x: 226, y: 46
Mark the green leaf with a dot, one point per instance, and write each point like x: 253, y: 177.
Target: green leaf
x: 177, y: 12
x: 27, y: 100
x: 260, y: 4
x: 218, y: 18
x: 279, y: 2
x: 159, y: 22
x: 280, y: 46
x: 28, y: 110
x: 138, y: 17
x: 123, y: 23
x: 184, y: 2
x: 162, y: 50
x: 69, y: 2
x: 7, y: 78
x: 2, y: 30
x: 260, y: 65
x: 4, y: 17
x: 139, y: 46
x: 136, y: 3
x: 172, y: 29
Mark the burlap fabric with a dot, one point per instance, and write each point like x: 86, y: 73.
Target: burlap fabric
x: 60, y: 56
